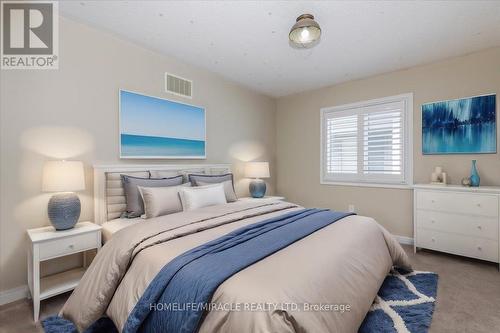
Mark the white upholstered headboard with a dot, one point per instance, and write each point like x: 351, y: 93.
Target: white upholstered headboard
x: 109, y: 198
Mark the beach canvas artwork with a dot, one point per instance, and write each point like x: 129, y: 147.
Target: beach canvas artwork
x: 152, y: 127
x: 461, y: 126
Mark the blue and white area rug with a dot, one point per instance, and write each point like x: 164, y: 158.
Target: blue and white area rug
x: 404, y: 304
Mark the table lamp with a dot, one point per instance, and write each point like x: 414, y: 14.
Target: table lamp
x: 65, y: 177
x: 257, y: 170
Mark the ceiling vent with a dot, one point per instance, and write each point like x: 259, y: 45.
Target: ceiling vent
x: 178, y: 86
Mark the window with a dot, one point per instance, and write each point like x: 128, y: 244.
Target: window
x: 368, y: 142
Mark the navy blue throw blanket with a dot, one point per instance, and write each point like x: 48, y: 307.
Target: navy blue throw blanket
x: 192, y: 277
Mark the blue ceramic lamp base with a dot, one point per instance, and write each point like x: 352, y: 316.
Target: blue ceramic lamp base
x: 257, y: 188
x: 64, y: 210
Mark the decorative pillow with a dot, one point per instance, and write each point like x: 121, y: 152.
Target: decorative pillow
x: 187, y: 173
x: 135, y: 206
x: 228, y: 189
x: 160, y: 201
x: 163, y: 173
x: 227, y: 179
x: 202, y: 196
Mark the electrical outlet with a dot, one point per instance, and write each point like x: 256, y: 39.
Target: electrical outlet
x: 351, y: 208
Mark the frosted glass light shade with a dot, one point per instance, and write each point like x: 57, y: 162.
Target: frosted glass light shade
x: 305, y: 32
x: 257, y: 170
x: 63, y: 176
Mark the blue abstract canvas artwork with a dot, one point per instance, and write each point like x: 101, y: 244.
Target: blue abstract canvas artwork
x: 152, y: 127
x: 461, y: 126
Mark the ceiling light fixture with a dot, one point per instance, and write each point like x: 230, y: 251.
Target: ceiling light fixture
x: 305, y: 32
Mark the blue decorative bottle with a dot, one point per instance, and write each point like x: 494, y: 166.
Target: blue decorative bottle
x: 474, y: 175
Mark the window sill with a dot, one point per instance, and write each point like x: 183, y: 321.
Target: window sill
x: 361, y: 184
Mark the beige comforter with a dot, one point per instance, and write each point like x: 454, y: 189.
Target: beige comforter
x: 294, y: 290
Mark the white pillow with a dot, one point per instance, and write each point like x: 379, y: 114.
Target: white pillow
x: 228, y: 189
x: 160, y: 201
x: 202, y: 196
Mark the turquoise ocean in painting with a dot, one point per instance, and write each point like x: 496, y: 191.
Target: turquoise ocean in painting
x: 159, y: 128
x: 140, y: 145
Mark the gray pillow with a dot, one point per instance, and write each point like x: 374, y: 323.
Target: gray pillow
x: 227, y: 179
x: 186, y: 173
x: 162, y: 173
x: 160, y: 201
x: 135, y: 206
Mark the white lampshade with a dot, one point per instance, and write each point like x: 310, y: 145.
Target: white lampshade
x: 63, y: 176
x: 257, y: 170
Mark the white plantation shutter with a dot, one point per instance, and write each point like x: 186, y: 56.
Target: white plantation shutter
x: 367, y: 142
x: 342, y: 145
x: 383, y: 149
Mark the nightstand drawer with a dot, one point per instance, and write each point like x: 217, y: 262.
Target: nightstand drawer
x: 67, y: 245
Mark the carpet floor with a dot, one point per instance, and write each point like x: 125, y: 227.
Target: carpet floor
x: 468, y: 297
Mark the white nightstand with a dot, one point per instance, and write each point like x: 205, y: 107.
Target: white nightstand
x: 47, y: 243
x: 270, y: 197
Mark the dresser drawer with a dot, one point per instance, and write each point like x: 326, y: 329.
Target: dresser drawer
x: 67, y: 245
x: 474, y: 247
x: 467, y: 225
x: 458, y: 203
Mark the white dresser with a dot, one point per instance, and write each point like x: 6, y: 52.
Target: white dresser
x: 458, y: 220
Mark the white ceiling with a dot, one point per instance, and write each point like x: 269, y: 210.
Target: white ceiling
x: 247, y: 42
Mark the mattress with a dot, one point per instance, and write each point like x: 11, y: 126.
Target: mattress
x: 343, y: 264
x: 111, y: 227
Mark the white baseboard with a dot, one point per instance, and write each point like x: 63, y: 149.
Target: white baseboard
x: 12, y: 295
x: 404, y: 240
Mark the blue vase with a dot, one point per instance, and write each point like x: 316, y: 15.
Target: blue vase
x: 474, y: 175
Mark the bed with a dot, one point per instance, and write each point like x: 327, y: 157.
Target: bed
x: 111, y: 227
x: 322, y: 281
x: 109, y: 198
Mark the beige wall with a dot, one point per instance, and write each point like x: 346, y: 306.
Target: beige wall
x: 298, y: 140
x: 73, y: 113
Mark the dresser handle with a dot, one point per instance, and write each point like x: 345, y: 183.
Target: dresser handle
x: 479, y: 248
x: 479, y: 205
x: 432, y: 201
x: 71, y: 246
x: 433, y: 239
x: 433, y: 221
x: 479, y: 227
